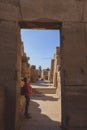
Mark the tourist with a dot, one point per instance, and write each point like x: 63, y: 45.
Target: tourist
x: 28, y: 94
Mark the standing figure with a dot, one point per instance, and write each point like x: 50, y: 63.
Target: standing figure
x: 28, y: 94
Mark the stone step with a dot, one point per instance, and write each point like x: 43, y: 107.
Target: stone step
x: 39, y: 90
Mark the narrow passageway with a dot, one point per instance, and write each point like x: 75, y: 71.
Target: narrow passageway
x: 45, y: 110
x: 42, y: 83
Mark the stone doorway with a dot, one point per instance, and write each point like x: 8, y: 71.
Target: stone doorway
x: 46, y: 14
x: 44, y: 25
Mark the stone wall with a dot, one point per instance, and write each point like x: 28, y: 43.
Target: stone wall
x: 74, y: 75
x: 9, y: 69
x: 18, y: 88
x: 70, y: 16
x: 25, y: 66
x: 25, y: 72
x: 2, y: 107
x: 33, y: 73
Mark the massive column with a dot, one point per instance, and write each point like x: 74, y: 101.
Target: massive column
x: 56, y: 63
x: 74, y: 76
x: 33, y: 73
x: 51, y: 71
x: 10, y: 69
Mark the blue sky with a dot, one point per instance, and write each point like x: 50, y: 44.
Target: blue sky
x: 40, y: 46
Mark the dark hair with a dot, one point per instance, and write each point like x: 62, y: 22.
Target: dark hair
x: 25, y: 79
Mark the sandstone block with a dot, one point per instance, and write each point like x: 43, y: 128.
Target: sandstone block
x: 9, y: 12
x: 74, y: 51
x: 2, y: 105
x: 84, y: 11
x: 60, y: 10
x: 12, y: 2
x: 74, y: 106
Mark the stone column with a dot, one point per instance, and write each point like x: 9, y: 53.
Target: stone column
x: 51, y: 71
x: 56, y: 63
x: 74, y: 76
x: 9, y: 70
x: 33, y: 73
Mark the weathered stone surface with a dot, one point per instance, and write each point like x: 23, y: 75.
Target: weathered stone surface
x: 12, y: 2
x: 9, y: 69
x: 75, y: 106
x: 74, y: 50
x: 25, y: 66
x: 2, y: 105
x: 8, y: 39
x: 45, y: 74
x: 73, y: 16
x: 60, y: 10
x: 84, y: 14
x: 56, y: 64
x: 33, y: 73
x: 51, y: 70
x: 9, y: 12
x: 74, y: 75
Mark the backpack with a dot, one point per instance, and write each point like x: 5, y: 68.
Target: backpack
x: 23, y: 90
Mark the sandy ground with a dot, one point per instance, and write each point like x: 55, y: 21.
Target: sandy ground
x: 45, y: 110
